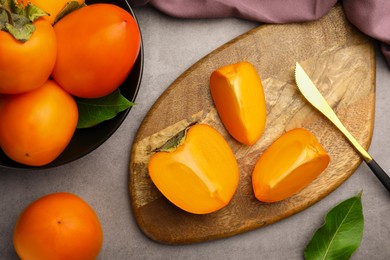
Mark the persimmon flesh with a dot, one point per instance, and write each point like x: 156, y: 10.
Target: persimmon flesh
x: 200, y: 175
x: 288, y: 165
x: 238, y: 95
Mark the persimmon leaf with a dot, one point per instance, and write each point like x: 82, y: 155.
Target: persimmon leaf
x: 96, y: 110
x: 341, y: 234
x: 69, y: 7
x: 18, y: 19
x: 33, y: 12
x: 20, y: 33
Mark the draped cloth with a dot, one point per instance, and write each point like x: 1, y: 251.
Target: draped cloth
x: 372, y: 17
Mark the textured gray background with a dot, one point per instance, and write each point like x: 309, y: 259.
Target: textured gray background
x: 171, y: 46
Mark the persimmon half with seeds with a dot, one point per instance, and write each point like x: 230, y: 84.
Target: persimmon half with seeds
x: 288, y: 165
x: 58, y: 226
x: 238, y: 95
x: 196, y: 170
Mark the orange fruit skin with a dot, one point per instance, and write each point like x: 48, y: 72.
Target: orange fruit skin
x: 52, y: 7
x: 36, y: 126
x: 97, y: 48
x: 26, y: 66
x: 58, y: 226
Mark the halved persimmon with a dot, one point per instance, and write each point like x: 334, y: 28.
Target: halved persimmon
x: 199, y: 173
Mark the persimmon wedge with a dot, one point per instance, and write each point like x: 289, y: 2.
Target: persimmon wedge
x: 288, y: 165
x: 200, y: 175
x: 238, y: 95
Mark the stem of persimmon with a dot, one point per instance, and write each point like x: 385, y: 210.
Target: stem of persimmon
x: 9, y: 14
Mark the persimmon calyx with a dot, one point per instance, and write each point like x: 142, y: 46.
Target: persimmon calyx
x: 69, y: 7
x: 174, y: 141
x: 17, y: 19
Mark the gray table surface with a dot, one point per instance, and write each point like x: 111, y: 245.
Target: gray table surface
x: 101, y: 178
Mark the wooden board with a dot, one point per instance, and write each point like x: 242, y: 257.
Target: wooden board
x: 336, y: 56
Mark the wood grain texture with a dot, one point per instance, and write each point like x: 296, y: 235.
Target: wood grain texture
x: 338, y: 58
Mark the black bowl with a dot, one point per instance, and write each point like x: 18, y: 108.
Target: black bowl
x: 86, y: 140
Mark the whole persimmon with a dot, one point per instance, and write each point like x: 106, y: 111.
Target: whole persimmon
x: 58, y: 226
x: 97, y: 47
x: 27, y: 65
x: 52, y: 7
x: 36, y: 126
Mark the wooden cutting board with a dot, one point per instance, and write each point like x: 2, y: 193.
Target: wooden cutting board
x: 339, y: 59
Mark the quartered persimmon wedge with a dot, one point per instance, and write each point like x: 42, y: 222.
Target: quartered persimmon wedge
x: 197, y: 171
x: 288, y: 165
x: 238, y: 95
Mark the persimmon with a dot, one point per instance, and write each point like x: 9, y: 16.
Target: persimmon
x: 36, y: 126
x: 288, y: 165
x: 52, y: 7
x: 238, y: 95
x: 97, y: 47
x: 58, y: 226
x: 196, y: 171
x: 27, y: 65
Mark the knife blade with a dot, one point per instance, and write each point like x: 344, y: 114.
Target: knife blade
x: 315, y: 98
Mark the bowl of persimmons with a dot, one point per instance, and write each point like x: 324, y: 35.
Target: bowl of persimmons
x: 70, y: 71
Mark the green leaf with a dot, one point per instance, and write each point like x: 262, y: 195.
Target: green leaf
x: 7, y: 3
x: 18, y: 20
x: 69, y: 7
x: 33, y: 12
x: 341, y: 233
x: 96, y: 110
x: 20, y: 33
x: 3, y: 19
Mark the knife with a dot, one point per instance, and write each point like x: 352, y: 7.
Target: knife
x: 311, y: 93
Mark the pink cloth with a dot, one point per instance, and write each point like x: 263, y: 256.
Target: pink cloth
x: 372, y: 17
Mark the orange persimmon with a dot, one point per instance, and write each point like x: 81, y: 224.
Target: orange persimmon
x: 291, y: 163
x: 200, y: 175
x: 26, y: 66
x: 238, y: 95
x: 58, y: 226
x: 97, y: 48
x: 52, y: 7
x: 36, y: 126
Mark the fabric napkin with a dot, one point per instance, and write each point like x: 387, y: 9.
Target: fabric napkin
x: 372, y: 17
